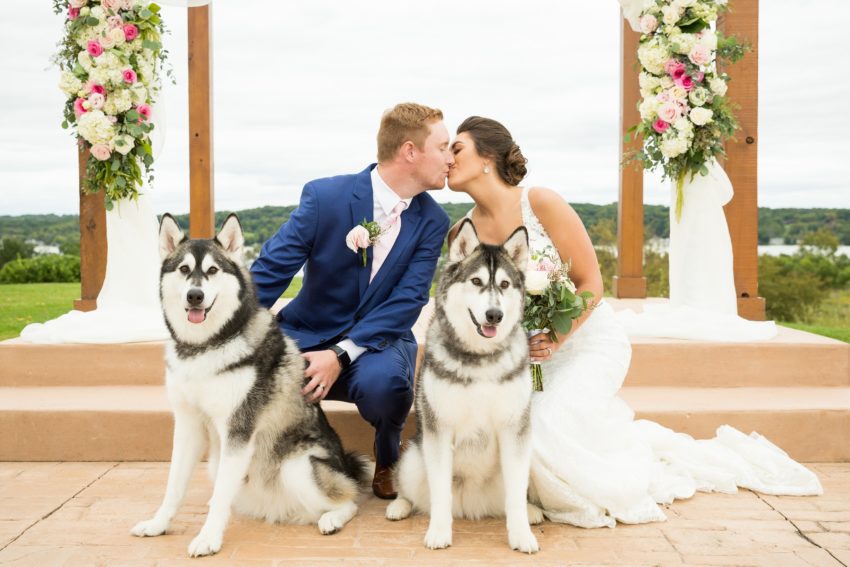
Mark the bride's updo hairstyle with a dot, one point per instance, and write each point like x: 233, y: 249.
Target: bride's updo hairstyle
x: 493, y: 141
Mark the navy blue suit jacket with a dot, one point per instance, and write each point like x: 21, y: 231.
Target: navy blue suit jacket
x: 336, y: 298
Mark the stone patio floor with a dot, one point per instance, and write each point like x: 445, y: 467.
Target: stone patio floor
x: 80, y: 514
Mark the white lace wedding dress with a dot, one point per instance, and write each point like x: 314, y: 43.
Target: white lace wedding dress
x: 593, y: 464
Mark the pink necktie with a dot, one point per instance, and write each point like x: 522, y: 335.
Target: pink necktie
x: 389, y: 232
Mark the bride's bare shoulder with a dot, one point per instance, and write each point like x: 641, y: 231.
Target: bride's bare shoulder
x: 543, y: 199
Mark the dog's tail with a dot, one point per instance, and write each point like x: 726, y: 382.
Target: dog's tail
x: 358, y: 467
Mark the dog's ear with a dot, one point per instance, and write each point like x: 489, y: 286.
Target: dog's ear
x: 464, y: 243
x: 170, y: 236
x: 517, y: 247
x: 230, y: 236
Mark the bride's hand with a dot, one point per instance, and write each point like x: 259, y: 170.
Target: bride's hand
x: 541, y: 347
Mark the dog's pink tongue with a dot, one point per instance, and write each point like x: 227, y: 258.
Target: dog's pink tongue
x: 197, y: 315
x: 488, y: 331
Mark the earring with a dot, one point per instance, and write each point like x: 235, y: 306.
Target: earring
x: 486, y: 169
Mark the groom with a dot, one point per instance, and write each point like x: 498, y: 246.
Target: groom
x: 353, y: 321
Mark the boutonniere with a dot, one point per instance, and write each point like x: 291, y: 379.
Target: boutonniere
x: 362, y: 236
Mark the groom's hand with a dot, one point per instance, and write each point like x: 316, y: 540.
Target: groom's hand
x: 323, y: 370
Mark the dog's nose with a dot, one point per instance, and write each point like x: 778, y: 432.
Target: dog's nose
x: 494, y: 316
x: 195, y: 296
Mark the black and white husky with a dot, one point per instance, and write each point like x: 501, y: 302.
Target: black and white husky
x: 234, y: 382
x: 471, y: 455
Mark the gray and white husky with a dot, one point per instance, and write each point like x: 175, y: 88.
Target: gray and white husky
x: 471, y: 454
x: 234, y: 382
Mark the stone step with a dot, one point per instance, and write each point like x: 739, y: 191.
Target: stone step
x: 792, y: 359
x: 134, y: 423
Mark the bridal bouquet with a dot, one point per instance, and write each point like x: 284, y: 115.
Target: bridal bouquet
x: 685, y: 117
x: 110, y: 59
x: 551, y: 301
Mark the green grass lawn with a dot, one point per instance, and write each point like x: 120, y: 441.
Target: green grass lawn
x: 22, y: 304
x: 840, y: 333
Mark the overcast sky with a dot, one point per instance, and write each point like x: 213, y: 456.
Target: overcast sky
x: 300, y: 87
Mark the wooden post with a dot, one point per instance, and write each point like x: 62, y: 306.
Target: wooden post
x: 92, y: 242
x: 201, y: 207
x: 742, y: 158
x: 629, y: 280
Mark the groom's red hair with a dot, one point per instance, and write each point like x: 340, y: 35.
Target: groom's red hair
x: 405, y: 121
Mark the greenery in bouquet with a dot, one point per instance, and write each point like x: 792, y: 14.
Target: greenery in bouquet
x: 552, y: 302
x: 685, y: 115
x: 110, y: 60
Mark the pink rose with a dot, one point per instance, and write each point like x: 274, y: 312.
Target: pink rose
x: 79, y: 109
x: 685, y: 82
x: 674, y: 68
x: 648, y: 23
x: 357, y: 238
x: 94, y: 48
x: 700, y: 55
x: 669, y: 112
x: 129, y: 76
x: 73, y: 13
x: 131, y: 32
x: 96, y: 101
x: 664, y: 96
x: 660, y: 126
x: 101, y: 151
x: 77, y: 3
x: 115, y: 22
x: 144, y: 111
x: 95, y: 88
x: 699, y: 77
x: 113, y: 5
x: 545, y: 265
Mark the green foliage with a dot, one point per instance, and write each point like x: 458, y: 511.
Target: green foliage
x: 47, y: 268
x: 12, y: 248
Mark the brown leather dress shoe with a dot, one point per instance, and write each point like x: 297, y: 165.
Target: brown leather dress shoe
x: 382, y: 484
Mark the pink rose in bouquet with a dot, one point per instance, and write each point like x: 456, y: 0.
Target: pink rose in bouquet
x: 131, y: 32
x: 660, y: 126
x: 94, y: 48
x: 101, y: 152
x: 129, y: 76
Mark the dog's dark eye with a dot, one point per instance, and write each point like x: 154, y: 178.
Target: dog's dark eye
x: 212, y: 270
x: 184, y: 269
x: 476, y: 281
x: 505, y: 284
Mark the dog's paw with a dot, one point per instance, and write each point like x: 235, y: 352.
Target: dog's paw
x: 330, y: 523
x: 399, y: 509
x: 205, y: 544
x: 438, y: 536
x: 535, y: 514
x: 149, y: 528
x: 523, y: 540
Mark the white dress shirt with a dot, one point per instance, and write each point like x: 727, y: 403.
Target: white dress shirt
x: 384, y: 200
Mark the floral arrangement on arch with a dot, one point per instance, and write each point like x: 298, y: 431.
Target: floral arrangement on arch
x: 685, y: 117
x: 110, y: 59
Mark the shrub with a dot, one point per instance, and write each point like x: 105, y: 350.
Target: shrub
x: 48, y: 268
x: 13, y: 249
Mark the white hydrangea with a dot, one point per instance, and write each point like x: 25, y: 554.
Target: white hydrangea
x: 700, y: 115
x: 95, y: 127
x: 653, y: 57
x: 85, y: 60
x: 684, y: 127
x: 123, y: 144
x: 99, y: 76
x: 119, y: 101
x: 648, y: 82
x: 138, y: 93
x: 671, y: 14
x: 717, y: 86
x: 684, y: 3
x: 69, y: 84
x: 649, y: 108
x: 98, y: 12
x: 145, y: 70
x: 673, y: 146
x: 683, y: 42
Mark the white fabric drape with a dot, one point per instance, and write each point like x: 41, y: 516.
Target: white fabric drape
x: 128, y: 307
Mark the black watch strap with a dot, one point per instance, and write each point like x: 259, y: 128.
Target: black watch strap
x: 341, y: 356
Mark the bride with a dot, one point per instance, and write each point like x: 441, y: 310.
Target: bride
x: 593, y: 464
